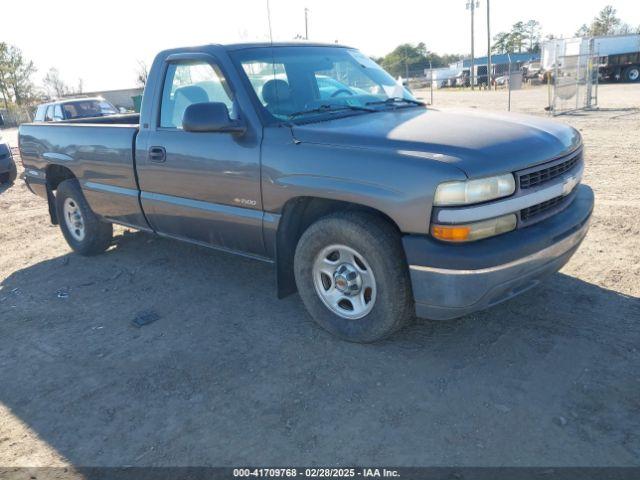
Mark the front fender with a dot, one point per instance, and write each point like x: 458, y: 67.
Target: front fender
x: 400, y: 186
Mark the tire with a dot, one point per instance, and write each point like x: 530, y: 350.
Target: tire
x: 631, y: 74
x: 8, y: 177
x: 13, y: 173
x: 96, y: 234
x: 367, y: 245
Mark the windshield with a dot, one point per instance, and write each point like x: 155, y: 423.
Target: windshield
x: 88, y: 108
x: 294, y: 83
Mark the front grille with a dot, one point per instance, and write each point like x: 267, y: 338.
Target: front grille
x: 530, y: 213
x: 532, y: 179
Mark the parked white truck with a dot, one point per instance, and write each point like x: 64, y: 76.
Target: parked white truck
x: 618, y: 55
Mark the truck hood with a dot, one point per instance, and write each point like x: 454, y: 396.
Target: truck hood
x: 479, y: 143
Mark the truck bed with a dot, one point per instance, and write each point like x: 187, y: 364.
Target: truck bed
x: 99, y: 152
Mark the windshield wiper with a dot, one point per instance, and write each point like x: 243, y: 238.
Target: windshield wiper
x: 394, y: 100
x: 331, y: 108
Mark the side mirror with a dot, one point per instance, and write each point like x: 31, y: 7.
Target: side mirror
x: 210, y: 117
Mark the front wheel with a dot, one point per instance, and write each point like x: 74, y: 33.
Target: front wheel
x: 353, y: 278
x: 82, y: 229
x: 10, y: 176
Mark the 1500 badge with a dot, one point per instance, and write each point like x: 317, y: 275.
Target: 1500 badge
x: 245, y: 201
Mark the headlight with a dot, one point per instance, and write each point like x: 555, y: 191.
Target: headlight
x: 474, y: 191
x: 474, y: 231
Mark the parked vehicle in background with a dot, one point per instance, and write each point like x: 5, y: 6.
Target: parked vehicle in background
x: 74, y: 109
x: 531, y: 71
x: 8, y: 171
x: 463, y: 79
x: 618, y: 56
x: 373, y: 207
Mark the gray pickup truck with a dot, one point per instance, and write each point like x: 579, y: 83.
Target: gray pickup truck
x: 372, y: 206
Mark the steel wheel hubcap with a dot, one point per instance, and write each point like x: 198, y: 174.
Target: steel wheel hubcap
x: 634, y: 74
x: 344, y: 281
x: 73, y: 219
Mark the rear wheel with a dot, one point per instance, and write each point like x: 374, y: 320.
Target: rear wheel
x: 631, y: 74
x: 352, y: 276
x: 82, y: 229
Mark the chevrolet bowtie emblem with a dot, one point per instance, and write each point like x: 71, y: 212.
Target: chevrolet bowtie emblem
x: 568, y: 185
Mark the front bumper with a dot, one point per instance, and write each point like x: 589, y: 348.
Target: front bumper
x: 450, y: 280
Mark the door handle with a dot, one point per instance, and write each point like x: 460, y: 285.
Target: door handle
x: 157, y: 154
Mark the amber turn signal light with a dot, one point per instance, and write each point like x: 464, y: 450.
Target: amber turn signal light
x: 474, y: 231
x: 451, y: 233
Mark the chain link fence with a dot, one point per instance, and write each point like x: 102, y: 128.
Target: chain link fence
x: 14, y: 116
x: 575, y: 83
x: 505, y: 76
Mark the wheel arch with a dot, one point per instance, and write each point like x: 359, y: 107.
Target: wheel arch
x: 297, y: 215
x: 55, y: 174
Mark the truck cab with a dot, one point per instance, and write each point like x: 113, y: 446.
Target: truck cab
x: 311, y: 157
x: 74, y: 109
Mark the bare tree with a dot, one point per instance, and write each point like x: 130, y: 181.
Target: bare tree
x: 142, y: 73
x: 54, y: 85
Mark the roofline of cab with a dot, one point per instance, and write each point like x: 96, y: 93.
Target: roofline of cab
x: 213, y: 47
x: 242, y: 46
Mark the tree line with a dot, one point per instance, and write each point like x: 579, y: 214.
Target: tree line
x: 16, y: 80
x: 606, y: 23
x: 16, y: 71
x: 407, y: 59
x: 524, y: 37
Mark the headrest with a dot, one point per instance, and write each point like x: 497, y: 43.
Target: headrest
x: 193, y: 93
x: 275, y: 91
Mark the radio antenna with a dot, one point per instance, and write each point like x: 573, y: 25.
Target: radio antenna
x: 269, y: 21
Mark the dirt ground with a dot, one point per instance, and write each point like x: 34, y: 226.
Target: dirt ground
x: 229, y: 375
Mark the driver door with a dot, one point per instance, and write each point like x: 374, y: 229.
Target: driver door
x: 201, y: 186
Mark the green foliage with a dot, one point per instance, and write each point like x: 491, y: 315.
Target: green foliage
x: 523, y: 37
x: 407, y: 59
x: 605, y: 23
x: 15, y: 76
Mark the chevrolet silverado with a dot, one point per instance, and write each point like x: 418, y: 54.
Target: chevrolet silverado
x: 371, y: 205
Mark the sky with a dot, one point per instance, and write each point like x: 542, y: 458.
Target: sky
x: 102, y: 41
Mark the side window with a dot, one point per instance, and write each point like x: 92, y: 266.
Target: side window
x: 40, y: 113
x: 189, y: 83
x: 57, y: 113
x: 48, y: 117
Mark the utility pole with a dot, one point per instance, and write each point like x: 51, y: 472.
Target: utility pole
x: 306, y: 23
x: 472, y: 5
x: 488, y: 47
